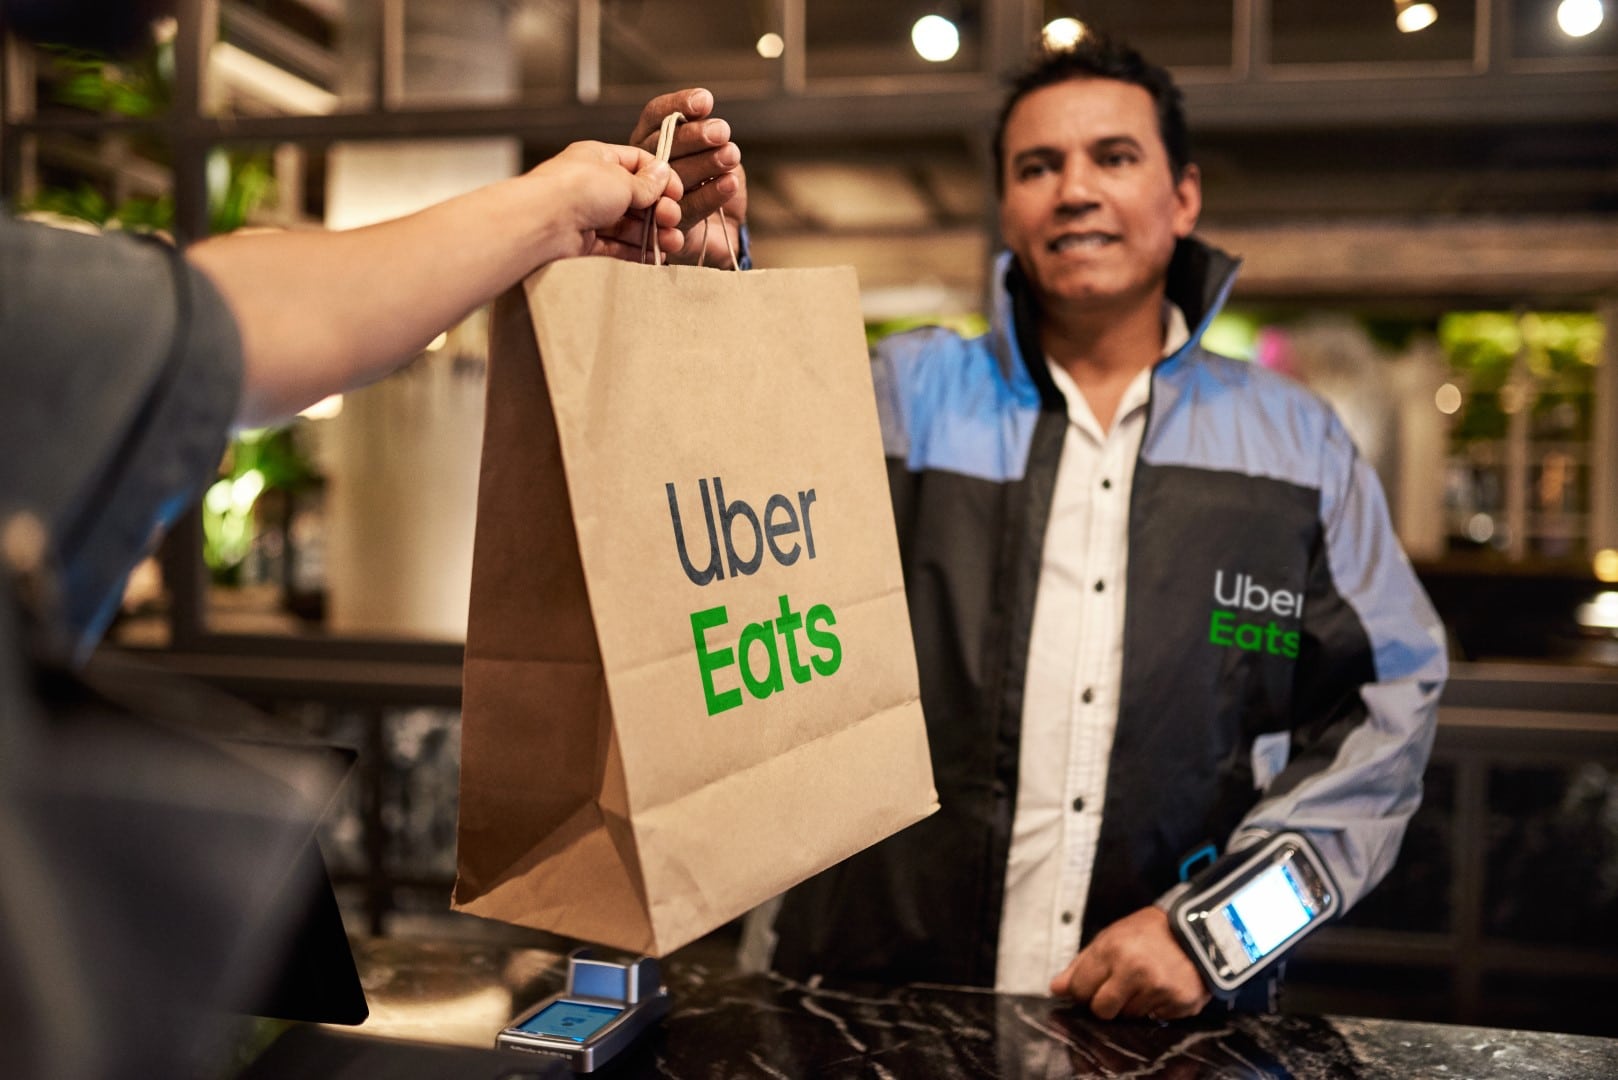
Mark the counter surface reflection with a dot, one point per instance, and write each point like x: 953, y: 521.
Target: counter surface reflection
x: 726, y: 1024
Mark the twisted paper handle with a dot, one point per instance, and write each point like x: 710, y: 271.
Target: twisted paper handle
x: 665, y: 146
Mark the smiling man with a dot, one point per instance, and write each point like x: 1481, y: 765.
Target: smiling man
x: 1157, y: 601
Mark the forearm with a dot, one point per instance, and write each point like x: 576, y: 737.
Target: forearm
x: 320, y: 312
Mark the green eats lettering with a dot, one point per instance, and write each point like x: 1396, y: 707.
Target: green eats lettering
x: 782, y: 649
x: 1231, y: 630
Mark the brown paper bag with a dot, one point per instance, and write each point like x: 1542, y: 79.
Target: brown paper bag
x: 689, y: 682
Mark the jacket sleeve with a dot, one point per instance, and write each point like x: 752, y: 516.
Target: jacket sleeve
x: 1371, y: 667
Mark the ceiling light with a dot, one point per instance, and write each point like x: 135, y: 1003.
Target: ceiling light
x: 935, y: 38
x: 1410, y: 17
x: 1479, y: 528
x: 770, y: 46
x: 1579, y: 18
x: 1060, y: 35
x: 1448, y: 399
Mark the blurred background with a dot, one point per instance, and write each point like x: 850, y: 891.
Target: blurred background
x: 1426, y: 197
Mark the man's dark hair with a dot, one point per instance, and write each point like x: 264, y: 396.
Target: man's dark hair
x: 1098, y: 56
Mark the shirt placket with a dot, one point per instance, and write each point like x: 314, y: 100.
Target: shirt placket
x: 1086, y: 768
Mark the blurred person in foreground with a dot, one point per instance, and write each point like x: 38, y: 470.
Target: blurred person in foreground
x: 1156, y: 597
x: 131, y: 907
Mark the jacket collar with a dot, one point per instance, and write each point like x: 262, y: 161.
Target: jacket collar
x: 1199, y: 280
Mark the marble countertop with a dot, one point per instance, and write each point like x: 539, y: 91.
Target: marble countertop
x: 726, y: 1024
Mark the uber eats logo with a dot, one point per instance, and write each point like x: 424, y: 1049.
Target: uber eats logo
x: 783, y: 531
x: 1239, y: 628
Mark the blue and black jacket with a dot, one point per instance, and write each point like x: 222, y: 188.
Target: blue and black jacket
x: 1246, y: 486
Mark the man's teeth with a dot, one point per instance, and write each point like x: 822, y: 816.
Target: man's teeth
x: 1081, y: 240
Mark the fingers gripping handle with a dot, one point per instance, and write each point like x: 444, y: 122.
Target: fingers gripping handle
x: 665, y: 146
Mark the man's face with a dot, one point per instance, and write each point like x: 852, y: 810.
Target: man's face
x: 1091, y: 207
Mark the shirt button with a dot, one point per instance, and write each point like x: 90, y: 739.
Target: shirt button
x: 1100, y: 585
x: 1106, y: 485
x: 1088, y: 696
x: 1078, y: 804
x: 1067, y: 917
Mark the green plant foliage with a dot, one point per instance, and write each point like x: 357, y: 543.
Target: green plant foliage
x: 1548, y: 359
x: 260, y: 461
x: 86, y: 202
x: 238, y: 184
x: 137, y: 88
x: 1233, y: 334
x: 968, y: 325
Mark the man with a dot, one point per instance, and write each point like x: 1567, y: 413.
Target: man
x: 1156, y: 597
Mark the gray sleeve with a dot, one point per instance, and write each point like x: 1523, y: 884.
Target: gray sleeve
x: 1356, y: 772
x: 123, y: 368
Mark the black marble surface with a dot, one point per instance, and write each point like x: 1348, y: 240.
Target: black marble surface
x: 726, y: 1024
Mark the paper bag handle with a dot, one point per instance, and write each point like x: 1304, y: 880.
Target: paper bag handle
x: 665, y: 146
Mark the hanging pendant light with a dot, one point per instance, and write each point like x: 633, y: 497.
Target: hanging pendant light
x: 1410, y: 16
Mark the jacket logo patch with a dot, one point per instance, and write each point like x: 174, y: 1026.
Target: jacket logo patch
x: 1246, y: 601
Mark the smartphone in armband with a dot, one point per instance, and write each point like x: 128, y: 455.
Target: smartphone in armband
x: 1240, y: 921
x: 605, y: 1007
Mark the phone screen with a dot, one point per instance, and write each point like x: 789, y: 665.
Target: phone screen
x: 1268, y: 910
x: 569, y: 1020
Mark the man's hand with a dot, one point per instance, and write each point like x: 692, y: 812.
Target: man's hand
x: 1135, y: 967
x: 709, y: 167
x: 604, y: 191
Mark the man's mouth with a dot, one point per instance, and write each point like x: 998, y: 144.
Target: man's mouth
x: 1082, y: 241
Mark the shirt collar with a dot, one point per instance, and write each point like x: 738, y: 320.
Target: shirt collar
x: 1175, y: 336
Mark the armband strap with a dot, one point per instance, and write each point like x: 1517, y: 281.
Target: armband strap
x: 1241, y: 915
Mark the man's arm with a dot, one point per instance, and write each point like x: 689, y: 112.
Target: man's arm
x: 322, y: 312
x: 1367, y: 709
x: 1370, y: 675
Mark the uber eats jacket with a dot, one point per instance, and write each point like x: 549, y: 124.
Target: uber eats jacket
x: 1270, y: 614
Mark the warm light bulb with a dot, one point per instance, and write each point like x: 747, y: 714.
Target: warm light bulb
x: 1413, y: 17
x: 1606, y: 565
x: 1579, y: 18
x: 770, y: 46
x: 1448, y: 399
x: 935, y: 38
x: 1062, y: 34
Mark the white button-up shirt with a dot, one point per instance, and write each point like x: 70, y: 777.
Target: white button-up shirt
x: 1075, y: 671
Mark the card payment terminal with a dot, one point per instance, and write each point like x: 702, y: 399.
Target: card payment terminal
x: 603, y: 1008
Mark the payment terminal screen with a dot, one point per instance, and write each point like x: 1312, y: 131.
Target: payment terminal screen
x: 1267, y: 911
x: 569, y: 1020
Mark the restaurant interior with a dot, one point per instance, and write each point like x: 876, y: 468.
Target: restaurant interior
x: 1425, y: 199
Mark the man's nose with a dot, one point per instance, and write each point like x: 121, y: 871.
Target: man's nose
x: 1078, y: 189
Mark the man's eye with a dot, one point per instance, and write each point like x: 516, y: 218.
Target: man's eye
x: 1031, y: 169
x: 1119, y: 157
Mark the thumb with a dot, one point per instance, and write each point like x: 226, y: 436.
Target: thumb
x: 1062, y: 983
x: 652, y: 180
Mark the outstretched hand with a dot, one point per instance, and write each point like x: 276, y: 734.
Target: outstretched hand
x: 606, y: 190
x: 709, y: 167
x: 1135, y: 968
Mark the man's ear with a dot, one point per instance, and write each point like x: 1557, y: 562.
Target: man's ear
x: 1187, y: 201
